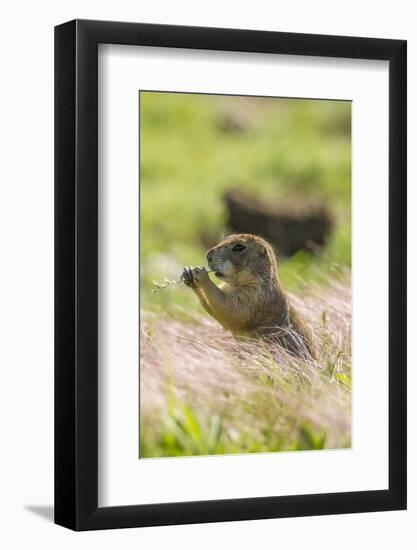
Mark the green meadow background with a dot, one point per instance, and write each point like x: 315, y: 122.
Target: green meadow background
x: 188, y: 160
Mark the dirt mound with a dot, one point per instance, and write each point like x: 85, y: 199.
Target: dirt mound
x: 289, y: 223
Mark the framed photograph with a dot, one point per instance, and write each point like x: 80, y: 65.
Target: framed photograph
x: 230, y: 275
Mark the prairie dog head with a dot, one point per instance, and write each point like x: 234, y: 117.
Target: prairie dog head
x: 242, y: 258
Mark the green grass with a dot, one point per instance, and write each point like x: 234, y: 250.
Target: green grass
x: 181, y: 434
x: 204, y: 393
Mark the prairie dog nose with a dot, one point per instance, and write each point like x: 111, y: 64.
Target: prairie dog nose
x: 209, y: 255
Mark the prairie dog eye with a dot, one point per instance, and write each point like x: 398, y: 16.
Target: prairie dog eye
x: 238, y: 248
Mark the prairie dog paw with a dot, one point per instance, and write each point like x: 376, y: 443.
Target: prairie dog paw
x: 187, y: 277
x: 200, y: 275
x: 194, y: 276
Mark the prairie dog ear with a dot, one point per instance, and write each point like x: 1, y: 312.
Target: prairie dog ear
x: 263, y: 251
x: 269, y: 250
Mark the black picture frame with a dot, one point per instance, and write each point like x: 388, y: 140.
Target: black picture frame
x: 76, y: 272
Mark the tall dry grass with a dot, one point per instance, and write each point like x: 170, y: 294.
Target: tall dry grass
x: 202, y: 392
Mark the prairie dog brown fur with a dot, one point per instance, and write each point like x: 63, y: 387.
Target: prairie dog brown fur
x: 250, y: 300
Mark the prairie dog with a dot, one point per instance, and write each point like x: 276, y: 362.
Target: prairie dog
x: 250, y: 300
